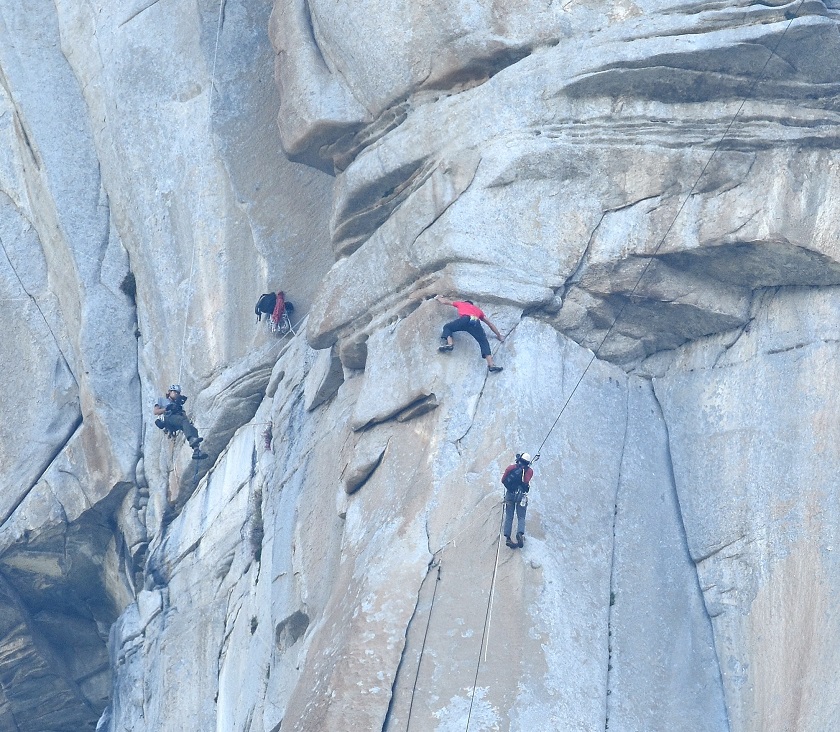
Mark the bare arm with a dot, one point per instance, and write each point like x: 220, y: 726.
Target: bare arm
x: 159, y: 410
x: 443, y: 300
x: 494, y: 329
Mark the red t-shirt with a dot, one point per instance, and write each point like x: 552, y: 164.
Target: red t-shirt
x: 464, y: 308
x: 526, y: 476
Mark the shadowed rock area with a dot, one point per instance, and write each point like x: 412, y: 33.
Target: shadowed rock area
x: 642, y: 195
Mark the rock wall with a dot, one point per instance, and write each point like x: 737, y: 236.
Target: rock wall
x: 641, y: 195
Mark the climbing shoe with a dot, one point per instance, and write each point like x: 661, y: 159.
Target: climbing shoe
x: 159, y: 424
x: 494, y: 369
x: 520, y: 540
x: 511, y: 544
x: 445, y: 348
x: 198, y: 455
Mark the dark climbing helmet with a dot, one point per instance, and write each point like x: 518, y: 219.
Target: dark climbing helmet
x: 174, y: 387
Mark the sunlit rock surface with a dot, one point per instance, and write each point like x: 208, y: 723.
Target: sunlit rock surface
x: 643, y: 196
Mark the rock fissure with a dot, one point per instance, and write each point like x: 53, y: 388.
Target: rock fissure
x: 684, y: 540
x: 139, y: 12
x: 574, y: 277
x: 37, y: 305
x: 403, y: 655
x: 613, y: 582
x: 74, y: 428
x: 330, y: 63
x: 722, y: 548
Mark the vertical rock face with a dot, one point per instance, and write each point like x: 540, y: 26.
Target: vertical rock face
x: 641, y: 195
x: 756, y: 482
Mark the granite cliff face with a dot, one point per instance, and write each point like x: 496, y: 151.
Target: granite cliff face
x: 642, y: 195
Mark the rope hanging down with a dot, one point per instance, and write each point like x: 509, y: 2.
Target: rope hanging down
x: 423, y: 648
x: 485, y: 633
x: 760, y: 77
x: 792, y: 15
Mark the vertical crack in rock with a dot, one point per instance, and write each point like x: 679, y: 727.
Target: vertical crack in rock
x: 333, y: 68
x: 18, y: 122
x: 429, y: 567
x: 9, y: 712
x: 684, y: 538
x: 448, y: 205
x: 760, y: 300
x: 612, y: 561
x: 458, y: 441
x: 574, y: 277
x: 35, y: 300
x: 74, y: 428
x: 222, y: 16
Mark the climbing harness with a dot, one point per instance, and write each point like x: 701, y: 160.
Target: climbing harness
x: 282, y: 325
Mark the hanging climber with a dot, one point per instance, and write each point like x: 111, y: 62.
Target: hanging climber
x: 171, y: 417
x: 517, y: 482
x: 469, y: 319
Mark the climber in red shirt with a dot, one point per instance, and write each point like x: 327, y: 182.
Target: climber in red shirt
x: 469, y: 320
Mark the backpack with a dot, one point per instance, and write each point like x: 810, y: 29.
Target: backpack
x: 513, y: 483
x: 265, y: 305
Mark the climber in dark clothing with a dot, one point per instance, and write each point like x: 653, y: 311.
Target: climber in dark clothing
x: 170, y: 411
x: 469, y: 320
x: 517, y: 482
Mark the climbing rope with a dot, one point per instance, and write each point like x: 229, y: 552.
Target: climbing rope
x: 488, y: 614
x: 31, y: 298
x: 423, y: 647
x: 486, y: 631
x: 792, y: 16
x: 466, y: 528
x: 492, y: 592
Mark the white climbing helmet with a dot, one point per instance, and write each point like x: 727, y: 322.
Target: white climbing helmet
x: 175, y: 387
x: 525, y: 457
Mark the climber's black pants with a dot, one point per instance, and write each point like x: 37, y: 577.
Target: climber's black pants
x: 471, y: 326
x: 175, y: 422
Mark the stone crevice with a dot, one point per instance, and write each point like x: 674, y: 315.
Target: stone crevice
x: 574, y: 277
x: 684, y: 536
x: 457, y: 441
x: 613, y: 560
x: 74, y: 428
x: 138, y: 12
x: 35, y: 302
x: 323, y: 54
x: 723, y: 547
x: 433, y: 563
